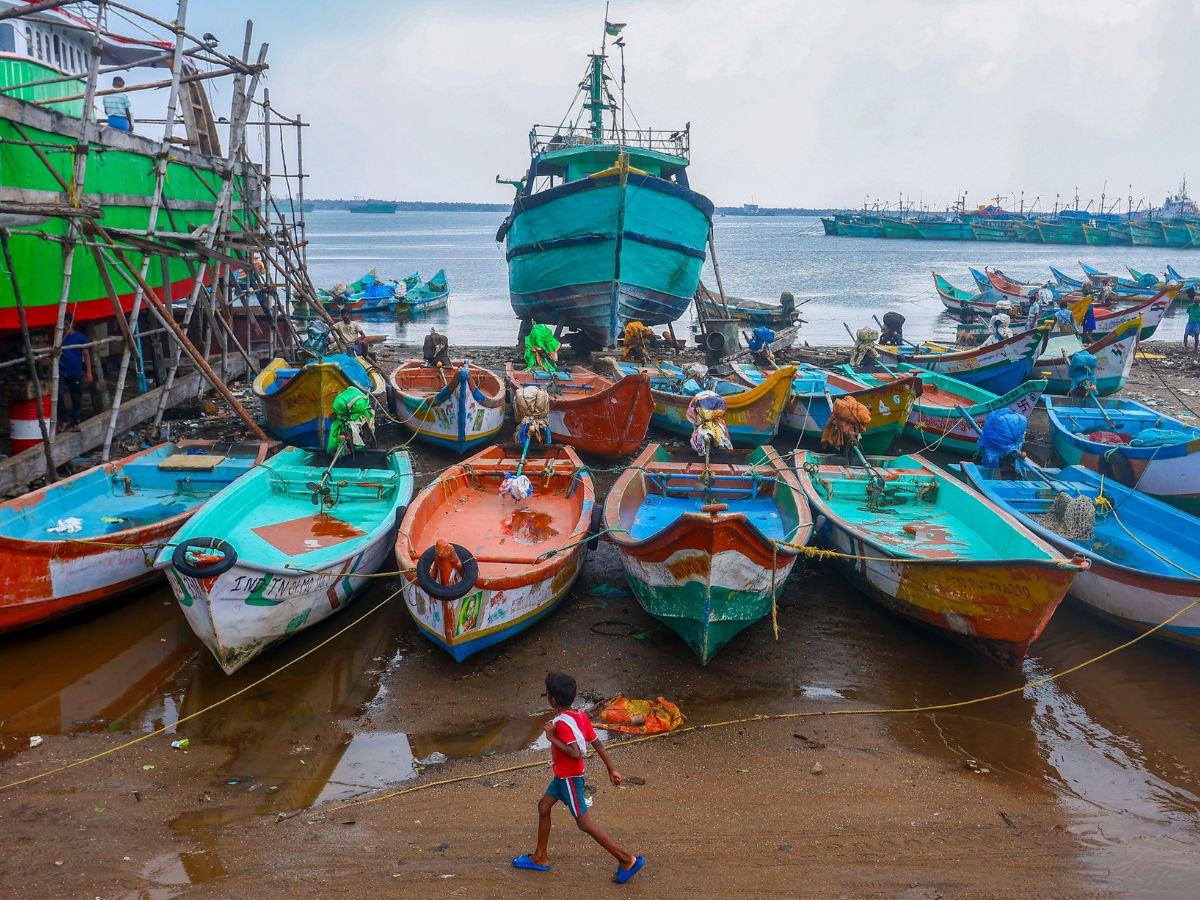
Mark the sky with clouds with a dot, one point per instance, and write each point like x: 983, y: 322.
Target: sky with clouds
x: 809, y: 103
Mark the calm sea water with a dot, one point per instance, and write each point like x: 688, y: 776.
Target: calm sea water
x: 838, y: 279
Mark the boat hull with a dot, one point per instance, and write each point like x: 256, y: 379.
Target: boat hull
x: 241, y: 613
x: 300, y: 412
x: 939, y: 428
x: 595, y: 253
x: 491, y: 615
x: 609, y: 422
x: 465, y: 413
x: 996, y: 608
x: 998, y: 368
x: 45, y: 579
x: 1114, y: 361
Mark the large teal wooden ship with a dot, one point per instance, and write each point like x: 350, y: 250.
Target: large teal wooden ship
x: 604, y: 228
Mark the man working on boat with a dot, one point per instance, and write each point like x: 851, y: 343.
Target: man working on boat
x: 1192, y: 329
x: 1064, y: 319
x: 118, y: 109
x: 569, y: 733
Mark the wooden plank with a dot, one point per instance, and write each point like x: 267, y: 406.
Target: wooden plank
x: 18, y: 471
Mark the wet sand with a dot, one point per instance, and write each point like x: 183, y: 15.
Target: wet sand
x: 1093, y: 783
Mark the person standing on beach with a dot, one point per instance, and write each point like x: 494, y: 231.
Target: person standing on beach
x: 569, y: 732
x: 118, y: 108
x: 1192, y: 329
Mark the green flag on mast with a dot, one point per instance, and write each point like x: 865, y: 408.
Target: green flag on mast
x: 612, y: 29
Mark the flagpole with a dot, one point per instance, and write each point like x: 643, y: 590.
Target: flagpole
x: 604, y: 36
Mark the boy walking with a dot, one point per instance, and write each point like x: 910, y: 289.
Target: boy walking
x: 569, y: 733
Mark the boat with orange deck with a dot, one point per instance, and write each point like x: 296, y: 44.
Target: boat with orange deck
x: 490, y: 555
x: 592, y: 413
x: 457, y: 408
x: 931, y: 550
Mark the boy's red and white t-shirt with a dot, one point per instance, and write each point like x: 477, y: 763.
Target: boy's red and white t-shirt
x: 564, y: 766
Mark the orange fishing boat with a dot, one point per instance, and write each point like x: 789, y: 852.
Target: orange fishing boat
x: 489, y: 554
x: 592, y: 413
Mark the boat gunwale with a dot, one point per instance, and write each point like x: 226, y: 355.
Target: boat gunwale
x: 490, y: 400
x: 645, y: 463
x: 572, y: 544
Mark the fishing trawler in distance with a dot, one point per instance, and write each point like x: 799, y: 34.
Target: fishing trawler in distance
x: 605, y: 228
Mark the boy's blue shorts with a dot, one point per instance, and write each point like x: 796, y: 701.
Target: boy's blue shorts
x: 569, y: 791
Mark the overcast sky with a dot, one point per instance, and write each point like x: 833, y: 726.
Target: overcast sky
x: 808, y: 103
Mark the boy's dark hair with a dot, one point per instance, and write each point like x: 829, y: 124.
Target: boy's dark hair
x: 561, y: 688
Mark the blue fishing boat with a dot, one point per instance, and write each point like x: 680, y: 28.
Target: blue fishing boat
x: 286, y: 546
x: 1144, y: 554
x: 422, y: 297
x: 297, y: 400
x: 604, y: 228
x: 1130, y: 443
x: 366, y: 295
x: 1000, y: 367
x: 86, y: 538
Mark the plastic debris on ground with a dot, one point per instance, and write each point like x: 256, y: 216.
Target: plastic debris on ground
x: 636, y: 716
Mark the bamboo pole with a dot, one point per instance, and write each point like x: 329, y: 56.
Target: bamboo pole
x: 74, y: 198
x: 47, y: 447
x: 150, y: 85
x: 39, y: 6
x: 197, y: 357
x: 160, y: 177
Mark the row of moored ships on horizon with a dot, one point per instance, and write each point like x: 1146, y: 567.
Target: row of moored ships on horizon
x: 1175, y: 224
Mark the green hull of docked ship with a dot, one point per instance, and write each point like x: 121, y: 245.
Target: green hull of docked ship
x: 600, y: 251
x: 119, y: 182
x: 899, y: 228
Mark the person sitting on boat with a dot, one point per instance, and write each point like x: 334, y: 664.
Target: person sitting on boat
x: 1192, y: 329
x: 998, y: 327
x: 351, y: 334
x: 118, y: 108
x: 436, y: 349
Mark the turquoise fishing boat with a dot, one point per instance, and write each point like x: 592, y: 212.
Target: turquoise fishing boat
x: 953, y: 230
x: 286, y: 546
x: 707, y: 548
x: 898, y: 228
x: 423, y: 297
x: 604, y: 228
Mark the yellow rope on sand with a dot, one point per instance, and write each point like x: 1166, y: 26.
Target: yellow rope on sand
x: 200, y: 712
x: 809, y: 714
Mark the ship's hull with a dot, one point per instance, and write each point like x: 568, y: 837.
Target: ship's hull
x: 120, y: 182
x: 595, y: 253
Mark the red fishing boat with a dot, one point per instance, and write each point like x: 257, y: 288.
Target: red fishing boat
x: 592, y: 413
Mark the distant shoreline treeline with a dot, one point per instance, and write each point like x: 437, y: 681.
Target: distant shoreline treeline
x: 455, y: 206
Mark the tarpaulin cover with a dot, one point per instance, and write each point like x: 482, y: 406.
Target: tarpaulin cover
x: 351, y: 412
x: 351, y: 368
x: 760, y: 337
x: 541, y: 337
x: 1003, y: 434
x: 637, y: 716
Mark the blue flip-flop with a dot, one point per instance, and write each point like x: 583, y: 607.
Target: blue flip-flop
x: 623, y: 875
x: 524, y: 862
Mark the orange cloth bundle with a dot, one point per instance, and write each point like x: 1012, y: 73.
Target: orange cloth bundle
x: 847, y: 421
x: 636, y: 716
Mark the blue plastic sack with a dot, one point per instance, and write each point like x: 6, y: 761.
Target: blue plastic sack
x: 760, y: 337
x: 1081, y: 369
x: 1003, y: 434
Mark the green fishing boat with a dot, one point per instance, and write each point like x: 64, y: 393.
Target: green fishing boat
x: 40, y: 126
x: 954, y: 230
x: 604, y: 228
x: 899, y: 228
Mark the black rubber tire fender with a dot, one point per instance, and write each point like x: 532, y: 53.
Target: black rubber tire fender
x: 435, y: 588
x: 595, y: 526
x: 179, y: 559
